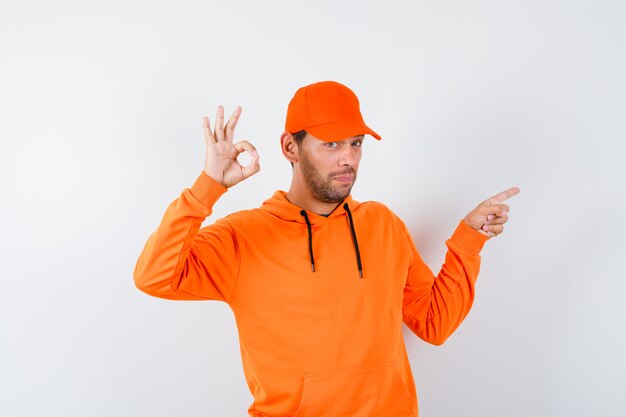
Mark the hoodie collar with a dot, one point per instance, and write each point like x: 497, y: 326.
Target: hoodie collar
x: 279, y: 206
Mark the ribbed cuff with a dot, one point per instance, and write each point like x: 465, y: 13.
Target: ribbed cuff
x: 207, y: 190
x: 468, y: 239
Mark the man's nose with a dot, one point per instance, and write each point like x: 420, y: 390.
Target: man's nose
x: 348, y: 156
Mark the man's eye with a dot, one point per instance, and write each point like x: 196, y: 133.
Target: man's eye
x: 357, y: 144
x: 331, y: 144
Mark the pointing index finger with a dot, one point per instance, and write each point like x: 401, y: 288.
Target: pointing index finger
x: 503, y: 196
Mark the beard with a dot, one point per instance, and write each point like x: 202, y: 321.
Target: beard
x: 322, y: 186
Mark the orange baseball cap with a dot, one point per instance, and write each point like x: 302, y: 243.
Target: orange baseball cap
x: 327, y: 110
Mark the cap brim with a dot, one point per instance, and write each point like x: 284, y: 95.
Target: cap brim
x: 340, y: 130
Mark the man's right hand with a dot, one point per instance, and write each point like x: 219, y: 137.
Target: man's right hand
x: 221, y: 154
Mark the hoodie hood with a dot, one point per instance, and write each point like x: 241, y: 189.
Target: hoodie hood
x: 279, y: 206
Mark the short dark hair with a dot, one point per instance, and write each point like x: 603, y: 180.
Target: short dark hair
x: 298, y: 137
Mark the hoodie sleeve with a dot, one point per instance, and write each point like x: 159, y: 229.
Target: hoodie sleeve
x: 180, y: 261
x: 433, y: 307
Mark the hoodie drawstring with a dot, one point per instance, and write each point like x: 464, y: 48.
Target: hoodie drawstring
x: 356, y: 243
x: 304, y: 214
x: 308, y: 225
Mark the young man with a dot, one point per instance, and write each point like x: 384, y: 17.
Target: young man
x: 318, y: 282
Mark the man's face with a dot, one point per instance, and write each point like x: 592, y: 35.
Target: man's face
x: 330, y: 168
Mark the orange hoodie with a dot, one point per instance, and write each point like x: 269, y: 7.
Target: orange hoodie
x: 316, y: 340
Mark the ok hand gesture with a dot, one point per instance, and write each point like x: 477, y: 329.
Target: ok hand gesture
x: 490, y: 215
x: 221, y: 154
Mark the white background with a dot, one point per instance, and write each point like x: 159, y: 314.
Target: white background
x: 100, y: 123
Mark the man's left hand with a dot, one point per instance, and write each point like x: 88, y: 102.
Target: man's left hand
x: 490, y: 215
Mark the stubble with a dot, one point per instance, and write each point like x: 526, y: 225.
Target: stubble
x: 322, y: 187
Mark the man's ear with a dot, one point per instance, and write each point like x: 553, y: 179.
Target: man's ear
x: 289, y: 147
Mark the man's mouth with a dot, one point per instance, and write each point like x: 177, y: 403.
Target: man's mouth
x: 344, y: 178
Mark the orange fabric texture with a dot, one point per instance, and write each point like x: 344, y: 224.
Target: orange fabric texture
x: 323, y: 343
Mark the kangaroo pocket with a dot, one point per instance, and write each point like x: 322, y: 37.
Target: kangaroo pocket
x: 374, y: 391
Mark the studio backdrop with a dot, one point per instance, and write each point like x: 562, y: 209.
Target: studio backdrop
x: 101, y: 107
